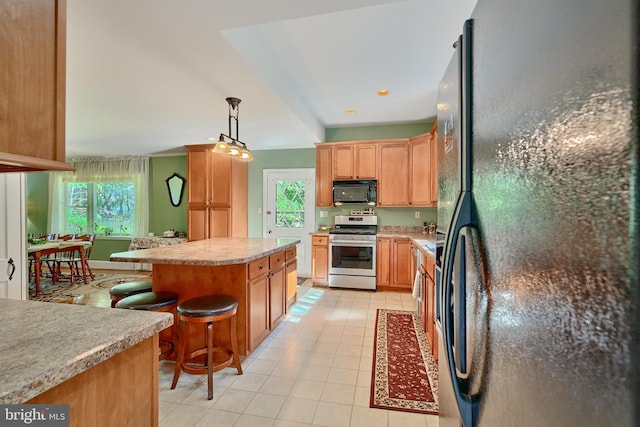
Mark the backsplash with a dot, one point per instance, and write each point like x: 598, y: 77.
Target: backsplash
x: 387, y: 217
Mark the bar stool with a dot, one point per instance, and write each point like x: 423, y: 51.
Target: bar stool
x: 154, y: 301
x: 207, y: 309
x: 127, y: 289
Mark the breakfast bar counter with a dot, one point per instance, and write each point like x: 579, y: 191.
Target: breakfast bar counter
x: 260, y: 273
x: 94, y: 359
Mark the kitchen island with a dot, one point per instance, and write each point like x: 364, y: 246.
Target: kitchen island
x: 257, y: 272
x: 102, y: 362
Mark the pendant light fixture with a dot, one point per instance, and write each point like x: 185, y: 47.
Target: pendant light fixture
x: 231, y: 145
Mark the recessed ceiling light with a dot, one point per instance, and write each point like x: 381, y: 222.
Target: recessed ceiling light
x: 350, y: 111
x: 383, y: 92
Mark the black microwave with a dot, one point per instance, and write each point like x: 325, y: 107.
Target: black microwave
x: 364, y: 192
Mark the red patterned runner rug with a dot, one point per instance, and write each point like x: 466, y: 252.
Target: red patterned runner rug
x: 405, y: 376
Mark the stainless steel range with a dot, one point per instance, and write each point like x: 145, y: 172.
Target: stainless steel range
x: 352, y: 252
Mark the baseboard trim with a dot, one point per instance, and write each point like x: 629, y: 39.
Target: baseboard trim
x: 116, y: 265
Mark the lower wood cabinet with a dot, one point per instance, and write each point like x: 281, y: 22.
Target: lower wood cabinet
x: 291, y: 270
x: 393, y: 264
x: 320, y: 259
x: 267, y: 296
x: 428, y: 306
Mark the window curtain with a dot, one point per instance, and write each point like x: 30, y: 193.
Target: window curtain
x: 102, y: 169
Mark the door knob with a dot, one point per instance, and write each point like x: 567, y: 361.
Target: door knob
x: 269, y: 231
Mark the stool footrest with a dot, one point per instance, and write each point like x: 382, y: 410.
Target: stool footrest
x: 221, y: 359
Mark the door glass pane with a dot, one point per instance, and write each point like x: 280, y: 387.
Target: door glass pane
x: 290, y: 204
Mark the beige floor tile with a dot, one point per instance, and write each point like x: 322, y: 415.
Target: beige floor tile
x: 367, y: 417
x: 398, y: 418
x: 332, y: 415
x: 183, y: 416
x: 265, y: 405
x: 298, y: 410
x: 307, y: 389
x: 249, y: 381
x: 277, y: 385
x: 343, y: 376
x: 234, y: 400
x: 338, y: 393
x: 214, y: 417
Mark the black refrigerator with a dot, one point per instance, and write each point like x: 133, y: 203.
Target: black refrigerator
x: 538, y: 259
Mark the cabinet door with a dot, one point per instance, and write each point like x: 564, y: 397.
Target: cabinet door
x: 258, y: 310
x: 220, y: 179
x: 383, y: 262
x: 197, y: 177
x: 277, y: 295
x: 393, y: 175
x: 343, y: 162
x: 198, y: 224
x: 365, y: 161
x: 219, y: 222
x: 324, y: 176
x: 433, y: 145
x: 320, y: 263
x: 292, y: 281
x: 401, y: 264
x: 32, y: 87
x: 420, y: 171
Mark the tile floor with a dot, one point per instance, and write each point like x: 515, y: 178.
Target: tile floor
x: 313, y: 370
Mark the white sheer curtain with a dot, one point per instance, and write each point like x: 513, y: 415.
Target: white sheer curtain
x: 102, y: 169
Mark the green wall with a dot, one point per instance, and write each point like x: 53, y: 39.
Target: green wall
x: 377, y: 132
x: 272, y: 159
x: 162, y: 215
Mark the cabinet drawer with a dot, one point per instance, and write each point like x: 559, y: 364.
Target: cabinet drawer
x: 319, y: 240
x: 276, y: 260
x: 258, y: 267
x: 290, y: 254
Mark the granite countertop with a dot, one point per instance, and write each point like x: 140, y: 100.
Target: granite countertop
x: 43, y: 344
x: 216, y: 251
x: 421, y: 239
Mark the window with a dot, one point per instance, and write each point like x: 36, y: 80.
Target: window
x: 102, y: 208
x: 106, y: 197
x: 290, y: 204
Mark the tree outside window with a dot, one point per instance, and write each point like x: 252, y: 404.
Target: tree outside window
x: 102, y: 208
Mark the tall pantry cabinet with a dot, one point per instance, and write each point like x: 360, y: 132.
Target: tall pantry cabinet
x: 217, y: 194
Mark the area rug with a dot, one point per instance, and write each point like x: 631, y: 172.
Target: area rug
x: 63, y: 290
x: 405, y: 376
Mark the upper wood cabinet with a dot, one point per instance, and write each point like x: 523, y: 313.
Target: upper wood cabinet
x: 393, y: 174
x: 324, y: 175
x: 32, y: 100
x: 421, y: 162
x: 217, y: 194
x: 354, y: 161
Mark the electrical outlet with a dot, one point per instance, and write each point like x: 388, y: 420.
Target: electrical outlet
x: 259, y: 211
x: 417, y: 214
x: 324, y: 214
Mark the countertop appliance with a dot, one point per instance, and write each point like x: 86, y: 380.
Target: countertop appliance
x: 538, y: 277
x: 352, y: 252
x: 357, y: 191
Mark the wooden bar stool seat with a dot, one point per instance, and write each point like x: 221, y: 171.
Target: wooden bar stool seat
x: 127, y: 289
x: 207, y: 309
x: 154, y: 301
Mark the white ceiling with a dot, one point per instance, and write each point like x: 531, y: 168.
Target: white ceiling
x: 149, y: 76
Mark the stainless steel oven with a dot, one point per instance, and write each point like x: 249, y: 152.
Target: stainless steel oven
x: 352, y: 252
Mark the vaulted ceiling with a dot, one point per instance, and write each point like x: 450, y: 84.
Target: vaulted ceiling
x: 149, y: 76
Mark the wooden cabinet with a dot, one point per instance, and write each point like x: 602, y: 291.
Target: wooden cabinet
x: 267, y: 296
x: 383, y: 262
x: 428, y: 305
x: 217, y: 194
x: 354, y: 161
x: 291, y: 270
x: 277, y: 289
x: 393, y: 264
x: 420, y: 185
x: 393, y: 174
x: 32, y: 106
x: 320, y: 259
x: 324, y: 176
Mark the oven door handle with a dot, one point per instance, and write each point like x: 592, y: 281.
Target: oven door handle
x: 352, y: 243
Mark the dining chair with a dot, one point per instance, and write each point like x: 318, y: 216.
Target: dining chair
x: 87, y: 254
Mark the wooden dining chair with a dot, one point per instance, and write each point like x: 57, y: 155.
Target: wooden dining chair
x: 87, y: 254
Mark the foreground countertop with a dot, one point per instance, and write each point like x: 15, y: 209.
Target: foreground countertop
x: 216, y: 251
x: 43, y: 344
